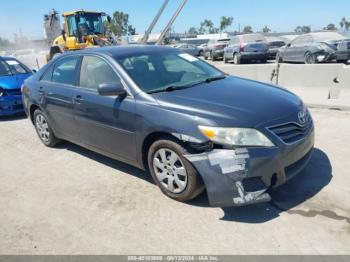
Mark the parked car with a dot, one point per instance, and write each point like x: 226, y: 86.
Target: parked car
x: 188, y: 123
x: 12, y: 75
x: 274, y: 44
x: 189, y: 49
x: 249, y: 47
x: 202, y: 48
x: 215, y: 49
x: 315, y: 48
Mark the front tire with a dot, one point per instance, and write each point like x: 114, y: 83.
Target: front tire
x: 310, y: 59
x: 43, y: 129
x: 236, y: 59
x: 172, y: 172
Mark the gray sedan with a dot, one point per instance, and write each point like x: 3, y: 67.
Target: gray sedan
x: 189, y: 49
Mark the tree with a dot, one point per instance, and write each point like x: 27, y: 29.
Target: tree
x: 303, y: 29
x: 342, y: 23
x: 247, y: 29
x: 330, y: 27
x: 266, y: 30
x: 206, y: 26
x: 193, y: 31
x: 225, y: 22
x: 347, y: 25
x: 4, y: 42
x: 120, y: 24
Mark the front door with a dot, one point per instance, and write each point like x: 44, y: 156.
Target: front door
x: 105, y: 123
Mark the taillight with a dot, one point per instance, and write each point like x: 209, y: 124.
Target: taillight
x: 220, y: 47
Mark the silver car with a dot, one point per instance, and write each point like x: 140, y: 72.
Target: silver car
x: 189, y: 49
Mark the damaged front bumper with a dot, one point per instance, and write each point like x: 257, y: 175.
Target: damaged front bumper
x: 242, y: 176
x: 11, y: 105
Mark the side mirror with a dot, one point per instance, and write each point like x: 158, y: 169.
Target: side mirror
x: 109, y: 19
x: 111, y: 89
x: 34, y: 71
x: 63, y: 32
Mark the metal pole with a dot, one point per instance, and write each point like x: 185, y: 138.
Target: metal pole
x: 154, y: 22
x: 172, y: 20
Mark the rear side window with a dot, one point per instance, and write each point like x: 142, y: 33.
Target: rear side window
x: 65, y: 71
x: 95, y: 71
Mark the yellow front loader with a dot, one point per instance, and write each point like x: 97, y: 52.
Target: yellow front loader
x: 82, y: 29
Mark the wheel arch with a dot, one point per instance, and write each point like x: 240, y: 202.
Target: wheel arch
x: 150, y: 139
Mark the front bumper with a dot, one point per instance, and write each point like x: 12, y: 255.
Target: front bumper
x: 242, y: 176
x: 11, y: 105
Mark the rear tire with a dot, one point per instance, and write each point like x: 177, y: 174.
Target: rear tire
x: 43, y: 129
x: 212, y: 57
x: 172, y: 172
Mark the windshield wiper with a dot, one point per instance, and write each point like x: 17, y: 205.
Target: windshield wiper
x: 215, y: 78
x: 180, y: 87
x: 168, y: 89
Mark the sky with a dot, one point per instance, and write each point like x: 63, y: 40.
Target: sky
x: 280, y: 16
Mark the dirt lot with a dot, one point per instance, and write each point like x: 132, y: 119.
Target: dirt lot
x: 69, y: 200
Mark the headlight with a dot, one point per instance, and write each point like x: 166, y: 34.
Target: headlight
x: 2, y: 91
x: 236, y: 136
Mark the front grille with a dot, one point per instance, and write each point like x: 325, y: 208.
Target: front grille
x: 292, y: 132
x: 13, y: 92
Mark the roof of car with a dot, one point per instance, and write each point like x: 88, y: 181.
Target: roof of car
x: 126, y: 50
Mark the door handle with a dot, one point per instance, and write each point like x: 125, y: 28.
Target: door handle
x: 78, y: 99
x: 41, y: 90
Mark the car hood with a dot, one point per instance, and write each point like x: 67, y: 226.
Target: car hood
x: 14, y: 81
x: 233, y: 101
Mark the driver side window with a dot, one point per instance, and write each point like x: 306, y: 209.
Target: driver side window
x: 95, y: 71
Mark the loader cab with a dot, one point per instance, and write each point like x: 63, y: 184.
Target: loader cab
x: 81, y: 26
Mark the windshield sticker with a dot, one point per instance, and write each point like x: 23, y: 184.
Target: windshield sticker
x: 188, y: 57
x: 12, y: 62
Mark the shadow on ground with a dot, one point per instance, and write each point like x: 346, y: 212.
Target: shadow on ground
x: 12, y: 118
x: 304, y: 186
x: 117, y: 165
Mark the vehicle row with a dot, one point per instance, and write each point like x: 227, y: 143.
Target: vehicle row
x: 309, y: 48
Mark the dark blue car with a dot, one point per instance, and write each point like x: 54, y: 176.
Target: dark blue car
x: 186, y: 122
x: 12, y: 75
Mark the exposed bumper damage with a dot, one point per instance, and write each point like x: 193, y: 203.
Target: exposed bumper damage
x: 242, y: 176
x: 223, y: 172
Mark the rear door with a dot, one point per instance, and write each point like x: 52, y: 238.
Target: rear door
x: 56, y: 94
x: 105, y: 123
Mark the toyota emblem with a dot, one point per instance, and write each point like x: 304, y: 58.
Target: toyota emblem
x: 302, y: 117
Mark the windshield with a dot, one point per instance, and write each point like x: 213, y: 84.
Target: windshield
x: 166, y: 71
x: 329, y: 36
x: 90, y: 24
x: 10, y: 67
